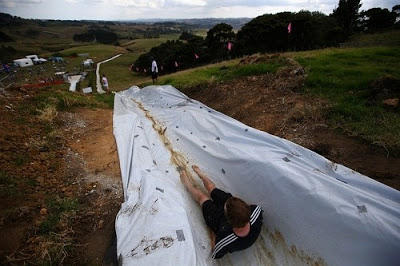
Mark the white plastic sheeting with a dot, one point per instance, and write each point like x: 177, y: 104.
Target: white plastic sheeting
x: 316, y: 212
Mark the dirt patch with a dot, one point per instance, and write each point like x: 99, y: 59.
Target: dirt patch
x: 60, y: 183
x: 70, y: 162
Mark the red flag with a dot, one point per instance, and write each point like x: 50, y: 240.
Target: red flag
x: 289, y: 27
x: 196, y: 56
x: 176, y: 64
x: 229, y: 46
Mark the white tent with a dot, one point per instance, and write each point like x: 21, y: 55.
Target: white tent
x: 317, y: 212
x: 23, y: 62
x: 88, y: 62
x: 32, y: 57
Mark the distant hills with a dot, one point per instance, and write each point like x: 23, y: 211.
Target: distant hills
x: 195, y: 23
x: 201, y: 23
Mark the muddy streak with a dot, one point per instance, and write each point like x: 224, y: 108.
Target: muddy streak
x: 176, y: 158
x: 291, y: 254
x: 263, y: 254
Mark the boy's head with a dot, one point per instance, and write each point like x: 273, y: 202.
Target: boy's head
x: 237, y: 212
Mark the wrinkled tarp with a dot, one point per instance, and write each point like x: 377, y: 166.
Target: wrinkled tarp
x: 315, y: 211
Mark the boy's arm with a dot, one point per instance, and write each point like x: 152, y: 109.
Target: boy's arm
x: 213, y: 236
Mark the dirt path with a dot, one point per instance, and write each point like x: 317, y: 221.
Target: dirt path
x: 90, y: 138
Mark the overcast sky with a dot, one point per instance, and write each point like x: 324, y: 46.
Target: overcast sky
x: 142, y: 9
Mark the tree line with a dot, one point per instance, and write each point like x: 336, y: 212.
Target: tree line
x: 285, y: 31
x: 97, y: 34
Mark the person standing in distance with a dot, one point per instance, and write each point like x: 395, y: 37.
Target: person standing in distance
x: 154, y: 70
x: 105, y: 83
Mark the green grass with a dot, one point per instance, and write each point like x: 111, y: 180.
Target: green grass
x: 344, y: 76
x: 57, y: 208
x: 65, y: 100
x: 117, y: 71
x: 144, y: 45
x: 378, y: 37
x: 97, y: 52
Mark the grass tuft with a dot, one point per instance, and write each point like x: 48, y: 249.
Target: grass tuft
x: 346, y: 77
x: 60, y: 212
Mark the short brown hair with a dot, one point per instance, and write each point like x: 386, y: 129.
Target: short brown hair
x: 237, y: 212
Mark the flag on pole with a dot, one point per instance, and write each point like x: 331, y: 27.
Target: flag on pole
x: 229, y: 46
x: 196, y: 56
x: 289, y: 27
x: 176, y: 64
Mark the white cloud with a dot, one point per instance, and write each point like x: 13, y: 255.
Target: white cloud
x: 187, y: 3
x: 14, y: 3
x: 135, y: 9
x: 135, y: 3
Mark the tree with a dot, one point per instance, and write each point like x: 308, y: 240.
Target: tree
x: 220, y: 33
x: 346, y: 15
x: 396, y: 9
x: 269, y: 33
x: 218, y: 38
x: 378, y: 18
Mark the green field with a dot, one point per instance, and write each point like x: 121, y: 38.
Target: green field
x: 144, y: 45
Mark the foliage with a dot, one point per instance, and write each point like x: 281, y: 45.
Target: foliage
x: 172, y: 53
x: 186, y: 36
x: 269, y: 33
x: 377, y: 18
x: 346, y: 15
x: 167, y: 54
x: 101, y: 35
x: 217, y: 40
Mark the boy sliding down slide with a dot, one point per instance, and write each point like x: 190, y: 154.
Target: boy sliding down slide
x: 235, y: 224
